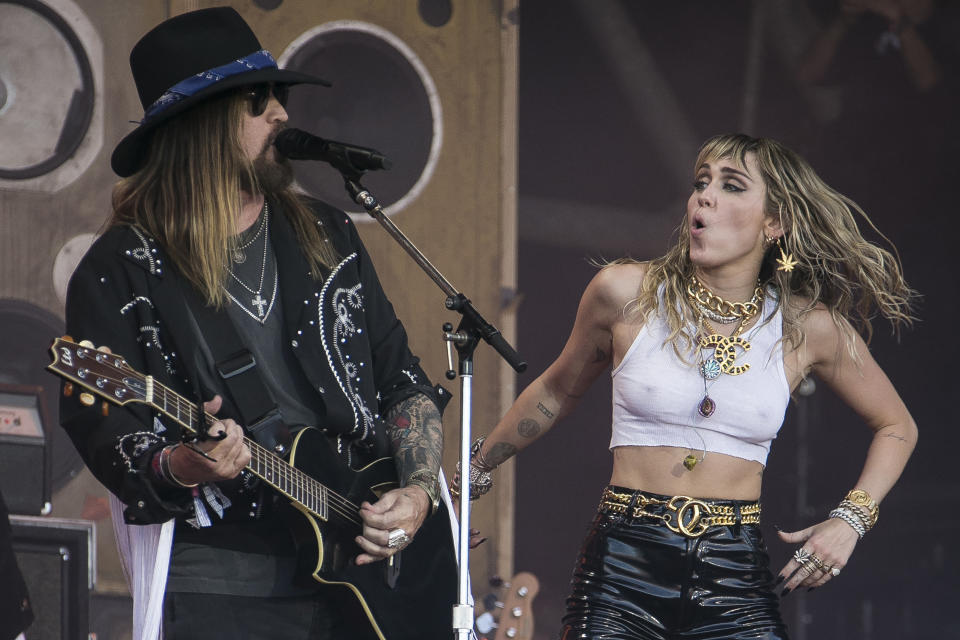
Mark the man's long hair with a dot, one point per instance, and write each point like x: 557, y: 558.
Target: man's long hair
x: 837, y: 266
x: 187, y: 195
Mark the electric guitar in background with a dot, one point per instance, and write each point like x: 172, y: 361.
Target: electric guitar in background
x: 509, y: 612
x: 325, y: 494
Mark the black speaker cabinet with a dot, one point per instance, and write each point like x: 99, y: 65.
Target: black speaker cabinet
x: 24, y: 454
x: 56, y: 558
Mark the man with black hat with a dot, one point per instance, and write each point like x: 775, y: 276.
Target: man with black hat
x: 220, y: 284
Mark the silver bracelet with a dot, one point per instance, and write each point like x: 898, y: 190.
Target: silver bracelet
x: 855, y: 510
x: 850, y: 519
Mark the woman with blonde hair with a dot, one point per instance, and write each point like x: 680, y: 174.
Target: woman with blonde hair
x: 769, y: 282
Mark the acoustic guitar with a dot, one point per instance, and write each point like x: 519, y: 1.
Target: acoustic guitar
x: 325, y: 495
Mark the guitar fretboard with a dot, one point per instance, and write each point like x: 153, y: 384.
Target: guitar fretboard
x: 270, y: 468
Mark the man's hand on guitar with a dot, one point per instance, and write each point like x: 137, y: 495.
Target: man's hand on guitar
x: 405, y: 508
x: 229, y: 455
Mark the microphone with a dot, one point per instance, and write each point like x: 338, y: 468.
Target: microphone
x: 300, y: 145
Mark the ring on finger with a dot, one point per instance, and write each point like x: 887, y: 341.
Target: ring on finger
x: 801, y: 555
x: 834, y: 571
x: 815, y: 559
x: 397, y: 538
x: 809, y: 567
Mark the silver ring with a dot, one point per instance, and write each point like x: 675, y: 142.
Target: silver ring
x: 834, y: 571
x: 397, y: 538
x: 801, y: 555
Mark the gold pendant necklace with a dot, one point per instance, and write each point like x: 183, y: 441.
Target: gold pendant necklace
x: 725, y: 348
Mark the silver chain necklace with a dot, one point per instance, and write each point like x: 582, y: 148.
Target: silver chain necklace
x: 263, y: 306
x: 239, y: 257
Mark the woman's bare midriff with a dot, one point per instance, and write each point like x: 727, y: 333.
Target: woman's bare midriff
x: 661, y: 470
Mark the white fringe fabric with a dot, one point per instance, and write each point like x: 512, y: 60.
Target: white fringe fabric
x: 145, y: 553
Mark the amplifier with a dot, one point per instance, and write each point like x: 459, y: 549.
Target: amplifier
x: 24, y: 452
x: 57, y: 558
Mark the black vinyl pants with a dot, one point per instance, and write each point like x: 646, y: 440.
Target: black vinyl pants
x: 637, y: 579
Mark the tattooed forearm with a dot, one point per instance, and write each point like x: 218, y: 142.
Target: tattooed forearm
x: 895, y: 436
x: 499, y: 452
x: 416, y: 435
x: 528, y: 428
x: 544, y: 410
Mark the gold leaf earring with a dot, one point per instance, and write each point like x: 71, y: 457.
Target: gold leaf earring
x: 785, y: 262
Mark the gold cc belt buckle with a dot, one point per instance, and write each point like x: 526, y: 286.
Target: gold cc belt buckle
x: 690, y: 516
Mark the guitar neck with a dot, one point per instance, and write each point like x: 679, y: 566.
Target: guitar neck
x: 111, y: 377
x: 265, y: 464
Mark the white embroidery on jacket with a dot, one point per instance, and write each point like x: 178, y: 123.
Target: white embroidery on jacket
x: 133, y: 303
x: 342, y: 302
x: 145, y: 253
x: 133, y: 445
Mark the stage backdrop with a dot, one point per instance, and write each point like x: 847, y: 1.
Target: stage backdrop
x: 432, y: 84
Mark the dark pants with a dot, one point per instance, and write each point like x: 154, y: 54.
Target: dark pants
x: 188, y: 616
x: 635, y: 579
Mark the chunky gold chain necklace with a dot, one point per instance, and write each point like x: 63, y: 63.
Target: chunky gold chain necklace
x: 718, y: 309
x: 725, y: 348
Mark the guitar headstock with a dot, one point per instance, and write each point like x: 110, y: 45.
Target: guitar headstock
x: 509, y: 616
x: 105, y: 374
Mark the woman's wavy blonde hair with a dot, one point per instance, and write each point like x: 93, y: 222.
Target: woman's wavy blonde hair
x: 187, y: 196
x: 837, y: 267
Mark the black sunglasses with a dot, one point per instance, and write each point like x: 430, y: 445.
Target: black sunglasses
x: 259, y: 96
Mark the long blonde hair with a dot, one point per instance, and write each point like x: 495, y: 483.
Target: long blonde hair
x: 837, y: 267
x: 187, y: 196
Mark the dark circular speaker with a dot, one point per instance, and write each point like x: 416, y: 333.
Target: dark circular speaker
x: 382, y: 97
x: 46, y: 87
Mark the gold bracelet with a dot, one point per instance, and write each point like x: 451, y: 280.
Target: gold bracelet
x: 430, y: 483
x: 863, y: 500
x: 168, y: 472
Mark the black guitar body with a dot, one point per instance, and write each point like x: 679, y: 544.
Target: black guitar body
x: 411, y: 597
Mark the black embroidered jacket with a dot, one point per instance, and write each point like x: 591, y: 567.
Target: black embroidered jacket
x: 126, y: 296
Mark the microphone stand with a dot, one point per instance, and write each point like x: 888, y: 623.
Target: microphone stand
x: 471, y: 329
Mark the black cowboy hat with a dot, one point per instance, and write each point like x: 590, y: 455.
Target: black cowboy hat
x: 188, y: 59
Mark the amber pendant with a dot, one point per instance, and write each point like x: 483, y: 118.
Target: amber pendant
x: 690, y: 462
x: 706, y: 407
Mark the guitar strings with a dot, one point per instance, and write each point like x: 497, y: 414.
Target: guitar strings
x: 337, y: 503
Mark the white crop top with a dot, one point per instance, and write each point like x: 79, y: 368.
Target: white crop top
x: 656, y: 394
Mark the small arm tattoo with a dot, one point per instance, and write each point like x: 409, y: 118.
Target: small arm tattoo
x: 416, y: 435
x: 895, y: 436
x: 599, y: 355
x: 528, y: 428
x: 544, y: 410
x: 499, y: 452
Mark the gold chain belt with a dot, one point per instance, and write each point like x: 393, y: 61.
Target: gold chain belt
x: 690, y: 517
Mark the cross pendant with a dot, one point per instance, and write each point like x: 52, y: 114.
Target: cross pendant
x: 259, y: 303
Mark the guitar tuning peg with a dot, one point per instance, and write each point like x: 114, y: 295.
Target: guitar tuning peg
x: 104, y: 348
x: 105, y: 409
x: 67, y: 337
x: 485, y: 623
x: 86, y: 343
x: 87, y: 399
x: 68, y: 389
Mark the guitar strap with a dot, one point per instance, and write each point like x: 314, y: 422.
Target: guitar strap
x: 237, y: 368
